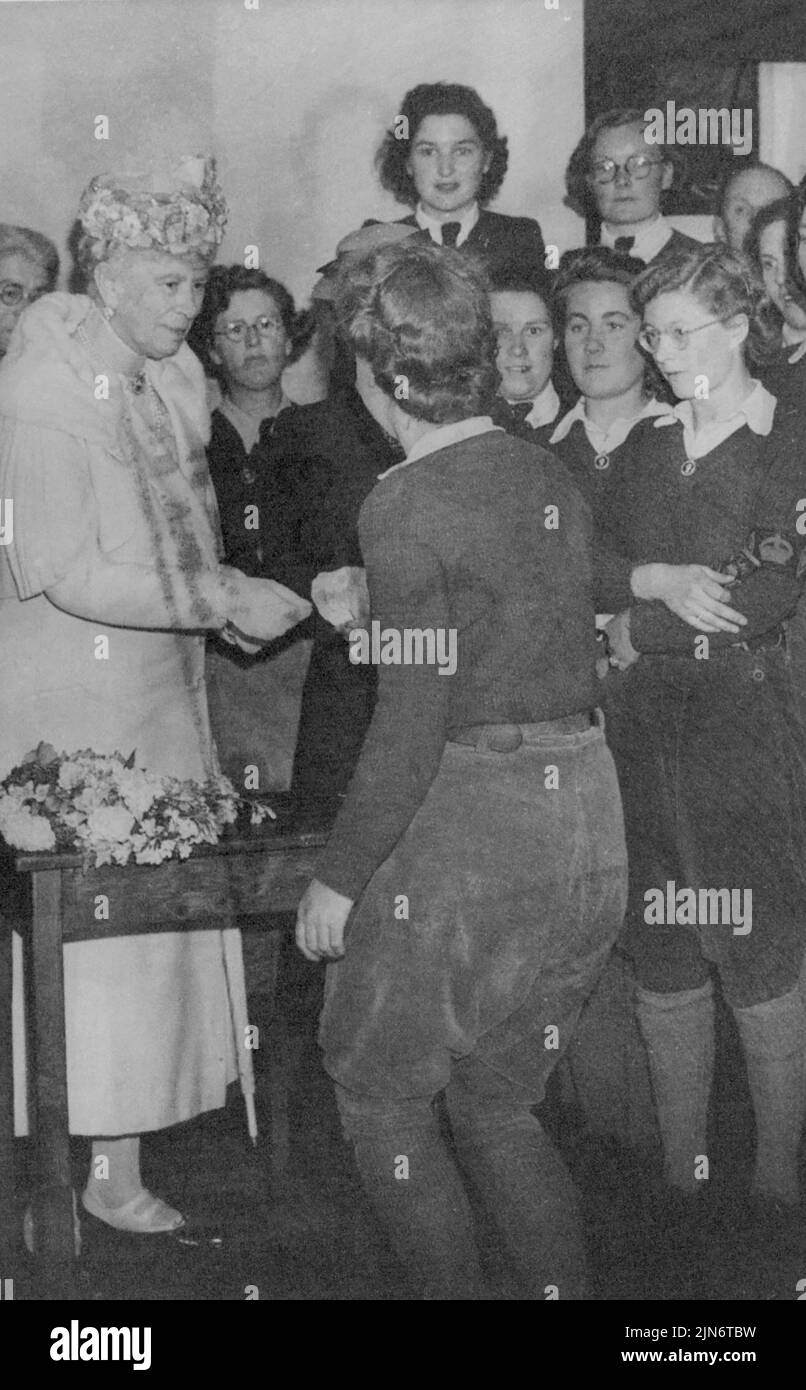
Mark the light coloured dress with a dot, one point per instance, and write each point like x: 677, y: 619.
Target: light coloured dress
x: 103, y: 455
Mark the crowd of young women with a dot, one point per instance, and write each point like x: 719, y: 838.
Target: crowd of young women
x: 669, y: 378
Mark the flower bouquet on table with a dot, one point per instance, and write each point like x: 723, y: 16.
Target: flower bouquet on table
x: 113, y: 811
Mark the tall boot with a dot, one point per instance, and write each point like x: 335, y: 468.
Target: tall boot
x: 773, y: 1037
x: 678, y: 1030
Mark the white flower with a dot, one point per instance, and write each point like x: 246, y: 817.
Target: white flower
x: 110, y: 823
x: 23, y: 830
x: 138, y: 790
x: 70, y: 775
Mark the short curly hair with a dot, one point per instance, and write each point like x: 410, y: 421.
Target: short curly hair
x: 580, y: 195
x: 227, y: 280
x: 420, y: 316
x: 599, y: 263
x: 441, y: 99
x: 511, y: 278
x: 723, y: 281
x: 36, y: 248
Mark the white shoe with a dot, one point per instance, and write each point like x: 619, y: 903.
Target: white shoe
x: 144, y: 1214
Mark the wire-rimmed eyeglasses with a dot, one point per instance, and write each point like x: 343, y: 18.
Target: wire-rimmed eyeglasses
x: 650, y: 338
x: 637, y: 166
x: 12, y: 293
x: 238, y: 330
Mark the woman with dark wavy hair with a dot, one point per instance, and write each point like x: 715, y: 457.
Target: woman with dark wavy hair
x: 445, y: 158
x: 472, y: 929
x: 766, y: 248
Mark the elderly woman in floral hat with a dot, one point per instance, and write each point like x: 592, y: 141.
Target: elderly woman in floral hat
x: 103, y: 423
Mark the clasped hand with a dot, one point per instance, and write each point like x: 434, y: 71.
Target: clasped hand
x: 321, y: 919
x: 697, y: 594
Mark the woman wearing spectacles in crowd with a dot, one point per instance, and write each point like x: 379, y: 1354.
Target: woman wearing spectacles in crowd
x: 713, y: 778
x: 247, y: 333
x: 618, y: 178
x: 29, y: 267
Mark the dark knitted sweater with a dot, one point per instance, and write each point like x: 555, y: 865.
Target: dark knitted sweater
x: 458, y: 540
x: 257, y: 540
x: 742, y: 496
x: 594, y: 474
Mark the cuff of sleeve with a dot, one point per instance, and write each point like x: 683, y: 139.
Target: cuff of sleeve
x: 344, y: 873
x: 654, y: 629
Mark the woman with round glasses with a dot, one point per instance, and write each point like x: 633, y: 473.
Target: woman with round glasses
x: 619, y: 178
x: 713, y: 780
x: 248, y: 332
x: 29, y: 267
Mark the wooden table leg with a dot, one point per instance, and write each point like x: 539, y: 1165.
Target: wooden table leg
x: 278, y: 1078
x: 53, y: 1203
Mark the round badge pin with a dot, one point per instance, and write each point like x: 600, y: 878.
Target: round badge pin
x: 601, y: 461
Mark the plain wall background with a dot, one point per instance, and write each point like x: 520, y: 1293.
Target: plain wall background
x: 293, y: 99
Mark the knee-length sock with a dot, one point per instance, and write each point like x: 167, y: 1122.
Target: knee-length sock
x: 678, y: 1030
x: 773, y: 1036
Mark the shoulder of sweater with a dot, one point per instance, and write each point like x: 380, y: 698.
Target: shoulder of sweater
x: 428, y: 478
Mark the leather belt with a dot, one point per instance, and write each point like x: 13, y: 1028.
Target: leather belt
x: 505, y: 738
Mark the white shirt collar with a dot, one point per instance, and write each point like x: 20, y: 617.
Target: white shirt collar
x: 601, y: 438
x: 545, y: 407
x: 756, y: 411
x: 792, y: 339
x: 650, y: 237
x: 441, y: 436
x: 433, y: 225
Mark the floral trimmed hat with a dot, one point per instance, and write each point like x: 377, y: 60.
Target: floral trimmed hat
x: 180, y: 210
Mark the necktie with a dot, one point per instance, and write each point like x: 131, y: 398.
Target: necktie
x: 519, y: 410
x: 450, y: 231
x: 624, y: 243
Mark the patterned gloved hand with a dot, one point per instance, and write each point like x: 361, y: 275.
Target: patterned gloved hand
x: 257, y: 610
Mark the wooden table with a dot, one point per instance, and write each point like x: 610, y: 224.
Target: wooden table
x: 246, y: 881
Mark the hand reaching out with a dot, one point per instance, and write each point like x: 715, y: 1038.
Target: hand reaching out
x: 258, y: 610
x: 342, y: 598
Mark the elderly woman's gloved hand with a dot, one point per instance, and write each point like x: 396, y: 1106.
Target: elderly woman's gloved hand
x: 342, y: 597
x: 251, y: 611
